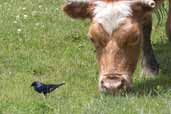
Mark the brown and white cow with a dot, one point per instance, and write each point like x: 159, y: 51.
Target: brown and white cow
x: 119, y: 29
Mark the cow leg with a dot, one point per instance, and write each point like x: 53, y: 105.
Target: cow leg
x: 168, y: 24
x: 149, y: 63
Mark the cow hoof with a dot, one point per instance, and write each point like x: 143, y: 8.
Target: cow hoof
x: 150, y: 66
x: 150, y: 70
x: 112, y: 86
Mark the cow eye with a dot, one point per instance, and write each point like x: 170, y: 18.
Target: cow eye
x: 92, y: 40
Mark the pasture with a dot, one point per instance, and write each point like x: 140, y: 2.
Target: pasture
x: 39, y: 42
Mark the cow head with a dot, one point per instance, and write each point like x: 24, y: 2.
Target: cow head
x: 116, y: 33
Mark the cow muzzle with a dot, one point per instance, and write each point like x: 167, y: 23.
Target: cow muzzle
x: 111, y: 83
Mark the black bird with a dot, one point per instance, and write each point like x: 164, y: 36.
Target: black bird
x: 45, y: 88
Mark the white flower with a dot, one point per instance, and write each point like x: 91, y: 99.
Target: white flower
x: 19, y: 30
x: 40, y: 6
x: 10, y: 72
x: 15, y: 22
x: 25, y: 16
x: 37, y: 24
x: 24, y: 8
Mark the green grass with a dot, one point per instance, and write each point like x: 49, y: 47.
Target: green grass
x: 38, y: 42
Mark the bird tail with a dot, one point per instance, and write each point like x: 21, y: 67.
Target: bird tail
x: 58, y: 85
x: 54, y: 86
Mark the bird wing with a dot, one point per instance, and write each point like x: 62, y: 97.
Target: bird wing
x: 52, y: 87
x: 39, y: 89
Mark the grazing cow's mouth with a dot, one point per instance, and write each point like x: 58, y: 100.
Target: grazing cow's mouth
x: 113, y: 82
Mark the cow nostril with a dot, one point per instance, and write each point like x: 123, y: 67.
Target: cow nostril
x: 102, y: 82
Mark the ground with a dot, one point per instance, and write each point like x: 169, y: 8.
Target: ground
x: 38, y: 42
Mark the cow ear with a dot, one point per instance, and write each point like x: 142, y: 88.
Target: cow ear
x: 78, y: 9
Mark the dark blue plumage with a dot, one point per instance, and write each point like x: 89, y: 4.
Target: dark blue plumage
x: 45, y: 88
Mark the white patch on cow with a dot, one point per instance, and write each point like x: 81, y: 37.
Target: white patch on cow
x: 111, y: 15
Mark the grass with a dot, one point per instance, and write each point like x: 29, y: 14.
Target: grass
x: 38, y: 42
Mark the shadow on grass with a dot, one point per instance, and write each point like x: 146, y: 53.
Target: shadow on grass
x: 160, y: 84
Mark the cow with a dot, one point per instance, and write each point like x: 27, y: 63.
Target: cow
x: 119, y: 30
